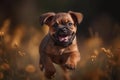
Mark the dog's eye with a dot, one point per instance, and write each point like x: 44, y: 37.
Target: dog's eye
x: 69, y: 24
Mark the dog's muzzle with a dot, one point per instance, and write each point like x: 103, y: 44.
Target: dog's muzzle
x: 63, y: 37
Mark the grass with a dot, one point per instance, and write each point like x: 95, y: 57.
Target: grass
x: 19, y: 56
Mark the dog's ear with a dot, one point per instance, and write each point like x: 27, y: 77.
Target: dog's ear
x: 77, y: 17
x: 46, y: 18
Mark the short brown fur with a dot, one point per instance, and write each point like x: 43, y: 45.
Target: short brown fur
x: 66, y: 56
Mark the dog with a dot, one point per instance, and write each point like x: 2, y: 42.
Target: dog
x: 59, y: 46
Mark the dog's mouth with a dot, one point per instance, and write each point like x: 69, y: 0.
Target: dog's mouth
x: 63, y: 35
x: 63, y: 38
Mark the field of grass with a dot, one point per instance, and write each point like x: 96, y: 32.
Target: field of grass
x: 19, y: 56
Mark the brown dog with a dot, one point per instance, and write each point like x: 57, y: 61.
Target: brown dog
x: 59, y: 45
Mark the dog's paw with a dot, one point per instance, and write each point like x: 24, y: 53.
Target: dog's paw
x: 70, y: 66
x: 50, y: 74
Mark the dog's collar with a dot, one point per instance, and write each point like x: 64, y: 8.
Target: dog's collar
x: 57, y: 43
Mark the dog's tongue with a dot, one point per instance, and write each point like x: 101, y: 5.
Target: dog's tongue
x: 63, y: 39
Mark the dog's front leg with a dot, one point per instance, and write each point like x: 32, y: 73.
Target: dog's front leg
x: 66, y: 73
x: 72, y: 60
x: 48, y: 66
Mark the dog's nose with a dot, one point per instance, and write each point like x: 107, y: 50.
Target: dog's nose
x: 64, y: 30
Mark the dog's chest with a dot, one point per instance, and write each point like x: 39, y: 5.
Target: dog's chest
x: 51, y: 49
x: 55, y: 51
x: 58, y: 56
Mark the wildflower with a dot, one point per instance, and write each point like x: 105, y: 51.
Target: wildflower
x: 5, y: 66
x: 30, y: 69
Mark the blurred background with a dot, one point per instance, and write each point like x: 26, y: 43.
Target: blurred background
x: 98, y: 38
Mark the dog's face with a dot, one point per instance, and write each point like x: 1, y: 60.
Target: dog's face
x: 62, y: 26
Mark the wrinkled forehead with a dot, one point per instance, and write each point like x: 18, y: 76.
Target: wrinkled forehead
x: 64, y: 17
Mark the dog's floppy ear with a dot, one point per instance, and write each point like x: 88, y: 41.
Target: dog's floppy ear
x: 46, y: 18
x: 76, y: 16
